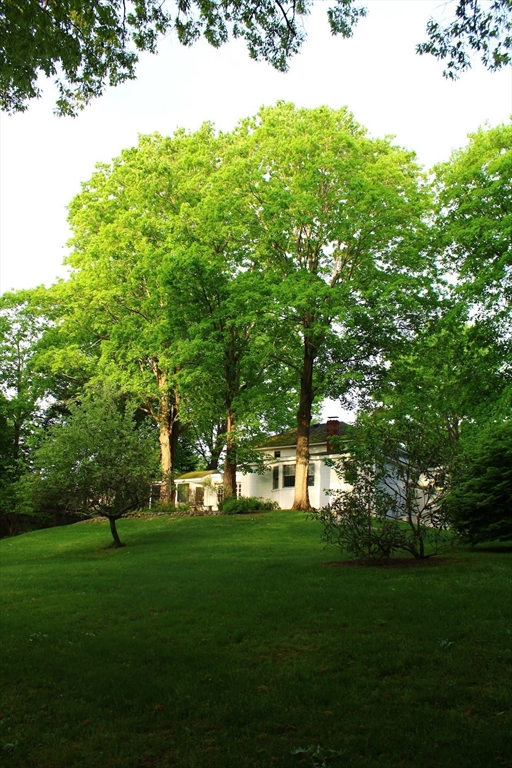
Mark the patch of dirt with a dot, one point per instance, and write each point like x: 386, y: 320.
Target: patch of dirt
x: 394, y: 562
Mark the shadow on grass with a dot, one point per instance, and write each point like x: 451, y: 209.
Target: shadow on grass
x: 499, y: 549
x: 395, y: 562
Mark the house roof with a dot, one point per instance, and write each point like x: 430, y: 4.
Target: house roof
x: 317, y: 434
x: 196, y: 475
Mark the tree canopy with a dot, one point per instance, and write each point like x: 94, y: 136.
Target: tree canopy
x: 96, y: 461
x: 225, y: 284
x: 86, y: 46
x: 475, y: 218
x: 338, y: 218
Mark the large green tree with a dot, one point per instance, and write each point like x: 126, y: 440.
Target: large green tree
x: 337, y: 218
x: 23, y: 323
x: 96, y: 461
x: 475, y: 219
x: 116, y: 299
x: 85, y: 45
x: 450, y: 377
x: 161, y: 290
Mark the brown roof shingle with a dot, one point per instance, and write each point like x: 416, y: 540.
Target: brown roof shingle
x: 317, y: 434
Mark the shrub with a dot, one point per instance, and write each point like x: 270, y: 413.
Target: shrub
x: 394, y: 504
x: 244, y: 504
x: 479, y: 499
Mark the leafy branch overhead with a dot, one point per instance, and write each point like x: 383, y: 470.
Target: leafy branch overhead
x: 85, y: 46
x: 481, y: 27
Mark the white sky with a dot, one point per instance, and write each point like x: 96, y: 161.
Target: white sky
x: 377, y: 74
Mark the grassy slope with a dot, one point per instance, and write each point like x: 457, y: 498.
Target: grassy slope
x: 225, y: 642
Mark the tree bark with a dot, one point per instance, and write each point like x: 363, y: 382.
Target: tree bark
x: 229, y: 478
x: 232, y: 378
x: 115, y: 535
x: 301, y: 496
x: 169, y: 426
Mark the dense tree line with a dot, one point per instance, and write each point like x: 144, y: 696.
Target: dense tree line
x: 222, y: 285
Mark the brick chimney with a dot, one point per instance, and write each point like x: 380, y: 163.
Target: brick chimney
x: 332, y: 430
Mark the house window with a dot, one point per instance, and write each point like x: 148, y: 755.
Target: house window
x: 238, y: 490
x: 277, y: 454
x: 220, y: 494
x: 183, y: 493
x: 275, y: 478
x: 199, y: 497
x: 289, y: 476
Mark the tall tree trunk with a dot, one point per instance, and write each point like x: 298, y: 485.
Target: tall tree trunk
x: 165, y: 458
x: 232, y: 376
x: 301, y: 497
x: 169, y: 427
x: 229, y: 478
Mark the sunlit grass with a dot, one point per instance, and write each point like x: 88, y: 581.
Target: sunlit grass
x: 226, y: 641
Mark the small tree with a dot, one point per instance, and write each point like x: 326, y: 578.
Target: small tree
x: 394, y: 505
x: 96, y: 462
x: 479, y: 499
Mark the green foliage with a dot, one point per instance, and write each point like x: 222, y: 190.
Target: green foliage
x: 450, y: 376
x: 479, y: 497
x: 23, y: 324
x: 8, y: 462
x: 84, y: 46
x: 95, y: 462
x: 27, y: 392
x: 395, y: 472
x: 478, y: 26
x: 338, y: 220
x: 245, y: 504
x: 475, y: 219
x: 357, y: 522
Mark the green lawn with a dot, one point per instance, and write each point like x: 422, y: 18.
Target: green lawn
x: 226, y: 642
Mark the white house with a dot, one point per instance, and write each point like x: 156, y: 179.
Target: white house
x: 204, y: 489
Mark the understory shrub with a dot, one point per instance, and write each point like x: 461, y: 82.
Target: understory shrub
x: 233, y: 506
x: 394, y: 504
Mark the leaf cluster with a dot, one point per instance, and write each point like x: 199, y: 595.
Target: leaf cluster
x: 478, y: 26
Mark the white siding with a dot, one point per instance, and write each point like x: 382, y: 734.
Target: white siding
x: 253, y: 484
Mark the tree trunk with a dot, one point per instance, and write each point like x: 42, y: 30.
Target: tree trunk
x: 169, y: 426
x: 301, y: 498
x: 165, y: 461
x: 115, y: 535
x: 232, y: 378
x: 229, y: 478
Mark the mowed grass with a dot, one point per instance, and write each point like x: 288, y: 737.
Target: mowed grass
x: 226, y: 641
